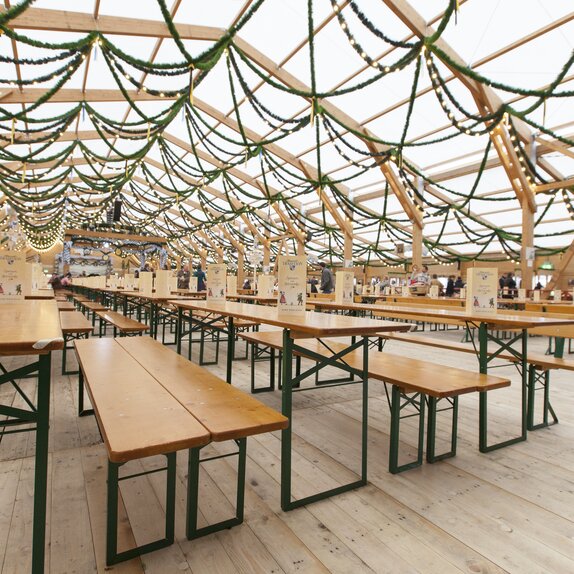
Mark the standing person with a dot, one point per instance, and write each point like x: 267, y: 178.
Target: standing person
x: 435, y: 282
x: 200, y: 274
x: 313, y: 282
x: 450, y: 286
x: 327, y: 282
x: 183, y: 276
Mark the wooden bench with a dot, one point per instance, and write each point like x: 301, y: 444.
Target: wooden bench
x: 74, y: 326
x: 539, y: 366
x: 414, y: 383
x: 126, y: 326
x: 66, y: 306
x: 91, y: 308
x: 221, y: 326
x: 148, y: 401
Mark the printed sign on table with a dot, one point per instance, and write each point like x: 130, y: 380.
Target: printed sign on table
x: 536, y: 295
x: 292, y: 284
x: 146, y: 282
x: 129, y: 281
x: 232, y: 285
x: 344, y: 287
x: 557, y: 295
x: 161, y: 283
x: 216, y: 281
x: 522, y: 294
x: 12, y: 276
x: 193, y: 284
x: 265, y: 285
x: 433, y: 292
x: 481, y: 290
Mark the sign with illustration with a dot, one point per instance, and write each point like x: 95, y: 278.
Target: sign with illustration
x: 536, y: 295
x: 434, y: 291
x: 292, y: 284
x: 344, y: 287
x: 265, y: 285
x: 232, y: 285
x: 161, y: 283
x: 193, y: 284
x: 146, y: 282
x: 557, y: 295
x: 12, y: 276
x: 129, y: 281
x: 481, y: 290
x: 216, y: 281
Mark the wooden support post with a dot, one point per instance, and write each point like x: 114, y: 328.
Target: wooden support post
x: 240, y: 268
x: 527, y: 271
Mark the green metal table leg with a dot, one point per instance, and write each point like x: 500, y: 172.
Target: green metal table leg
x: 41, y: 468
x: 230, y: 349
x: 559, y: 347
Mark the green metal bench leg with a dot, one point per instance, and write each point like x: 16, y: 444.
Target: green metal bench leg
x: 418, y: 401
x: 544, y: 379
x: 112, y: 554
x: 256, y: 353
x: 202, y: 360
x: 431, y: 428
x: 82, y: 412
x: 192, y: 531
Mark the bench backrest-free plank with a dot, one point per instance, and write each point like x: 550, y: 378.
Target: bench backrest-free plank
x: 131, y: 407
x: 227, y: 412
x: 538, y: 359
x: 93, y: 306
x: 74, y: 322
x: 421, y: 376
x: 66, y: 306
x: 124, y: 324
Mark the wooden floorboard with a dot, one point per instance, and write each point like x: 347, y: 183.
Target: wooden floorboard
x: 511, y: 510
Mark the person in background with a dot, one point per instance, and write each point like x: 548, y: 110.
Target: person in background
x: 420, y: 277
x: 450, y: 286
x: 327, y: 282
x: 66, y: 280
x: 55, y: 281
x: 459, y: 283
x: 200, y: 274
x: 246, y: 284
x: 313, y: 282
x: 509, y: 287
x: 183, y: 276
x: 538, y: 286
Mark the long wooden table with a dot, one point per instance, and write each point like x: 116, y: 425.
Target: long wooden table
x: 31, y: 328
x: 304, y: 326
x: 487, y: 326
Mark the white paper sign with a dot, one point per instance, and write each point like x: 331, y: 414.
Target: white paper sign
x: 557, y: 295
x: 265, y: 285
x: 232, y: 285
x: 292, y: 284
x: 462, y: 293
x: 216, y: 281
x: 193, y: 284
x: 481, y: 290
x: 129, y: 282
x: 522, y: 294
x: 536, y: 295
x: 12, y: 276
x: 172, y: 283
x: 146, y: 282
x: 344, y: 287
x: 161, y: 283
x: 405, y: 291
x: 433, y: 291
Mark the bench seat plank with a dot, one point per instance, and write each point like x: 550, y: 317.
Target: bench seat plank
x: 74, y: 322
x: 131, y: 407
x: 124, y: 324
x: 410, y: 374
x: 538, y: 359
x: 227, y: 412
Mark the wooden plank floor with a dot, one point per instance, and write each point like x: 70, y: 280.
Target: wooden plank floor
x: 508, y: 511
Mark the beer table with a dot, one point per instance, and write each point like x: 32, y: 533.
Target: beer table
x: 487, y: 326
x: 31, y: 328
x: 307, y: 325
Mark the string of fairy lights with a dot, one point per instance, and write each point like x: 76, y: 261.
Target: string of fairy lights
x: 208, y: 187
